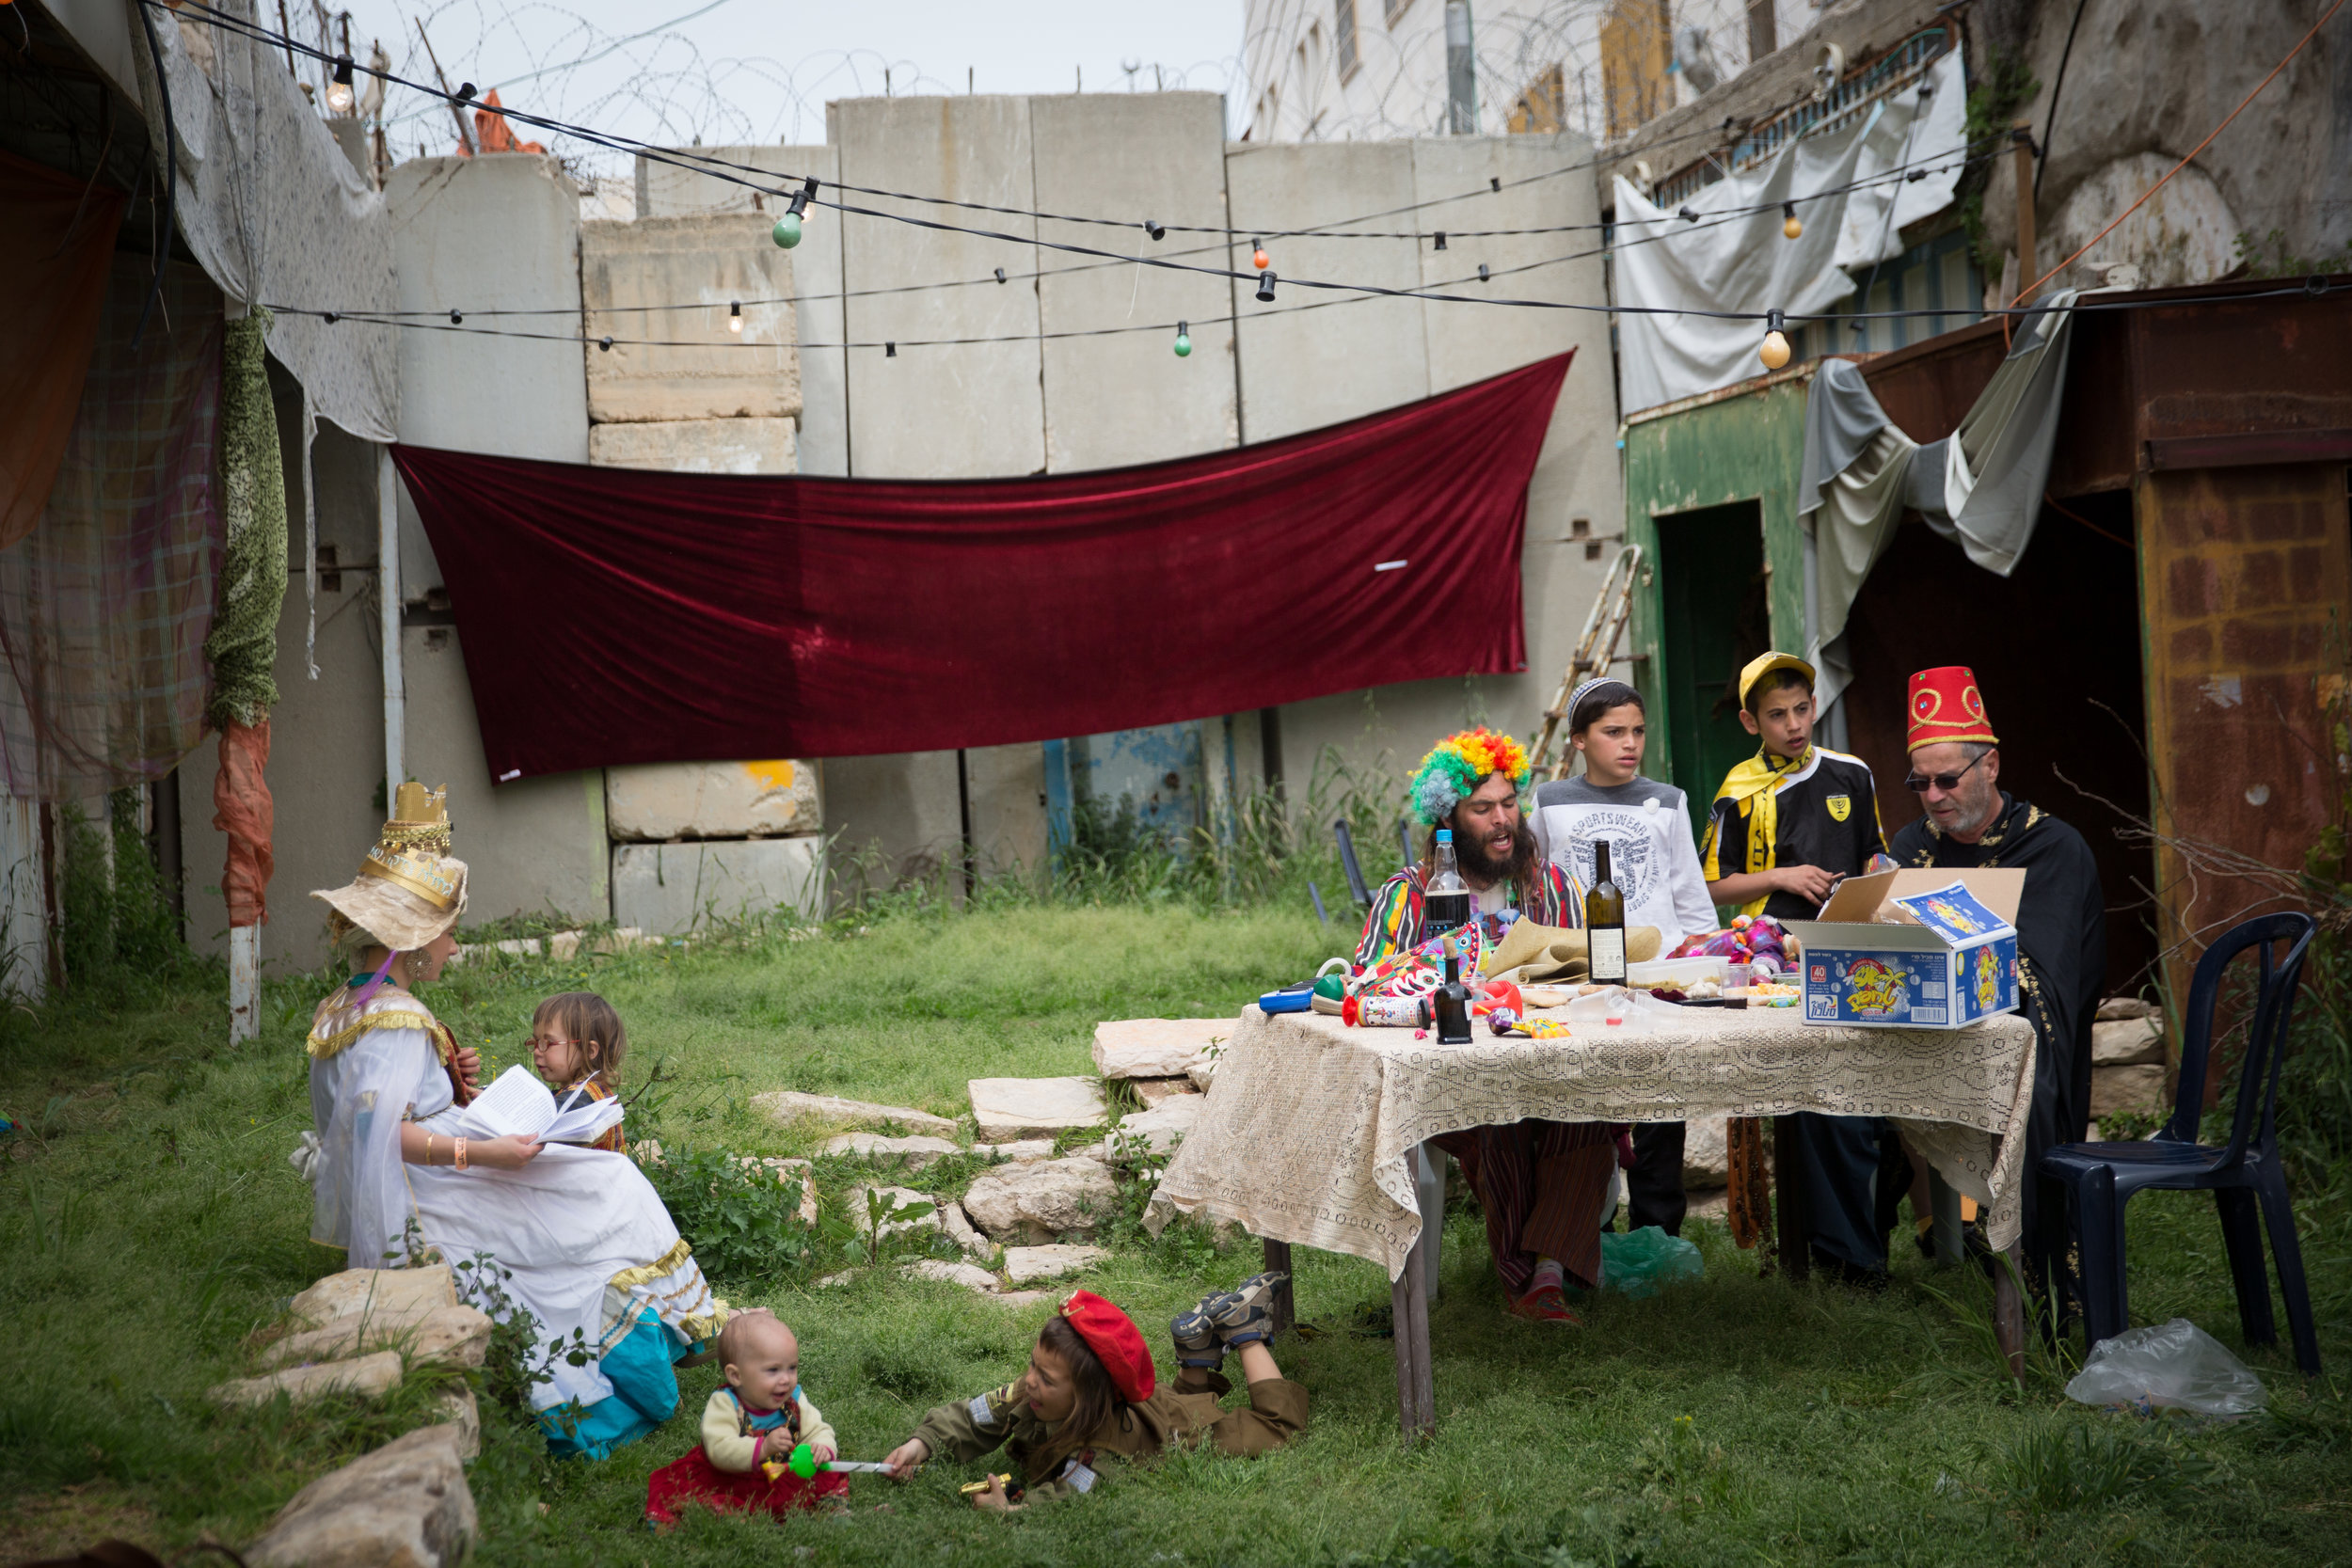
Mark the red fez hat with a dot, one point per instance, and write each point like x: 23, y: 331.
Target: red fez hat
x: 1946, y: 705
x: 1113, y: 1337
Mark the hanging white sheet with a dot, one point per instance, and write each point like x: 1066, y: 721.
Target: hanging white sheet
x: 1734, y: 258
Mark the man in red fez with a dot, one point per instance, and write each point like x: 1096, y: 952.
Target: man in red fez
x: 2061, y: 922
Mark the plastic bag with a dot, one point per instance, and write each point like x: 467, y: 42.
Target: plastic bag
x: 1642, y: 1262
x: 2175, y: 1366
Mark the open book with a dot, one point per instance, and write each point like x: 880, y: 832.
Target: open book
x: 516, y: 1104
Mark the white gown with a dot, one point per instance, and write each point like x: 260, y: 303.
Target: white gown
x: 582, y: 1232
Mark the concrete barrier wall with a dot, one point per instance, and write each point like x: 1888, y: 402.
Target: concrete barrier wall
x: 479, y: 233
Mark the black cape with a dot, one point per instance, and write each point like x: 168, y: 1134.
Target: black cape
x: 2063, y: 948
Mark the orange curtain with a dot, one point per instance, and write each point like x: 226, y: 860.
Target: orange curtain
x: 56, y: 235
x: 494, y: 133
x: 242, y: 808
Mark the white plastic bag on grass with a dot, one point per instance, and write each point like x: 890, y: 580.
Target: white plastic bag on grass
x: 2176, y: 1366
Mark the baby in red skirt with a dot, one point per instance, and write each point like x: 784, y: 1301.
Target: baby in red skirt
x: 750, y: 1429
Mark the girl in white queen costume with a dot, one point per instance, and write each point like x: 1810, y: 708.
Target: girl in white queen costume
x: 592, y: 1252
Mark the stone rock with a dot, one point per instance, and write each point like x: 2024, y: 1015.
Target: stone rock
x: 354, y: 1290
x: 1017, y: 1151
x: 1037, y: 1202
x: 457, y: 1335
x: 971, y: 1278
x: 2116, y: 1008
x: 787, y: 1106
x: 1024, y: 1264
x: 1202, y: 1072
x: 835, y: 1281
x: 371, y: 1375
x: 787, y: 1171
x: 1706, y: 1154
x: 1100, y: 1152
x: 2128, y: 1042
x: 458, y: 1409
x: 1154, y: 1091
x: 407, y: 1505
x: 919, y: 1153
x: 953, y: 1220
x: 1155, y: 1131
x: 2138, y: 1087
x: 928, y: 1220
x: 1159, y: 1213
x: 564, y: 945
x: 1155, y: 1047
x: 1010, y: 1108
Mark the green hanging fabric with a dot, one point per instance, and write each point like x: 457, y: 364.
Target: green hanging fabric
x: 243, y: 647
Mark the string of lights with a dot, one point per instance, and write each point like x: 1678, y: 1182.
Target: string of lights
x: 2312, y: 287
x: 765, y: 182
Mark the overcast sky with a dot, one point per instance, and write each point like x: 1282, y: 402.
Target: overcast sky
x: 745, y: 70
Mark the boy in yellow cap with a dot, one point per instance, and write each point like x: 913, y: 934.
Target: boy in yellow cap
x: 1791, y: 820
x: 1788, y: 824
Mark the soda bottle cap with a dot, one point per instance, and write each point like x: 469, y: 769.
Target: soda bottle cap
x: 1445, y: 835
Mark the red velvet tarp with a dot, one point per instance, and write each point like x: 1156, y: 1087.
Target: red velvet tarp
x: 612, y: 615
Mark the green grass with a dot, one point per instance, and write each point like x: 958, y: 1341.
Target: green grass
x: 150, y: 1224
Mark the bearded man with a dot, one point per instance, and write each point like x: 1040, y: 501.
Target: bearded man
x: 2061, y: 915
x: 1541, y: 1183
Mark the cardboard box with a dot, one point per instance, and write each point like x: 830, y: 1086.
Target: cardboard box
x: 1916, y: 949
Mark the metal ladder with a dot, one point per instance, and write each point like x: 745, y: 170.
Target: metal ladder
x: 1596, y: 650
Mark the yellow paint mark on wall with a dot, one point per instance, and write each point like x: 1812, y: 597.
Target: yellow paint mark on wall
x: 777, y: 775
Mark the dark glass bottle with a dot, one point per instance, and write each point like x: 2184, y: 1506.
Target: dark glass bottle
x: 1446, y: 901
x: 1604, y: 922
x: 1452, y: 1003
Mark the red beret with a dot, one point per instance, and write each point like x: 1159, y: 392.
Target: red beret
x: 1113, y: 1337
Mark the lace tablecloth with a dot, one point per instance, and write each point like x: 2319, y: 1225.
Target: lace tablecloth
x: 1308, y: 1124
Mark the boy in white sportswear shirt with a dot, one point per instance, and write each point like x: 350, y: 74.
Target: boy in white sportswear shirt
x: 1653, y: 859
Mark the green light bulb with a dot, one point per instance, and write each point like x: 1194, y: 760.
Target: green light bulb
x: 787, y: 231
x: 1183, y: 345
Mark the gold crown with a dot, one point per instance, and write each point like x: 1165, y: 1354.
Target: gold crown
x: 414, y: 839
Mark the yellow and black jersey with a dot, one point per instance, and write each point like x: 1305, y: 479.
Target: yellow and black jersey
x: 1825, y: 812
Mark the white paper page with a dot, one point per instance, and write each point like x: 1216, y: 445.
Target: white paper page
x: 515, y: 1103
x: 583, y: 1122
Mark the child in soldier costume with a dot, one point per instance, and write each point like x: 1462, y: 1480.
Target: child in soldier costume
x: 1090, y: 1394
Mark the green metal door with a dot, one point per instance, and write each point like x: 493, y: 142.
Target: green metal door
x: 1714, y: 616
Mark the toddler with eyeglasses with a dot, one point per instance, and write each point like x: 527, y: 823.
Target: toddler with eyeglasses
x: 576, y: 1043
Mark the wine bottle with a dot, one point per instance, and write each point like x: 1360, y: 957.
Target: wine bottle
x: 1451, y: 1002
x: 1446, y: 901
x: 1604, y: 922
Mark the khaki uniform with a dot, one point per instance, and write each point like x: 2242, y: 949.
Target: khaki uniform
x: 1137, y: 1433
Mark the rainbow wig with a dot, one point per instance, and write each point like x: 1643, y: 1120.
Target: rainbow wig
x: 1457, y: 764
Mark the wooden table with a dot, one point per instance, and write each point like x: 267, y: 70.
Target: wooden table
x: 1310, y: 1130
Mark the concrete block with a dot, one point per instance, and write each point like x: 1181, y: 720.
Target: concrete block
x: 1155, y: 1047
x: 2126, y: 1088
x: 668, y: 888
x: 1010, y: 1108
x: 407, y: 1505
x: 746, y: 446
x: 655, y: 802
x: 2127, y: 1042
x: 787, y: 1106
x: 718, y: 261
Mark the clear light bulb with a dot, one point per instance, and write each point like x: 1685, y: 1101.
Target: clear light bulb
x: 339, y: 98
x: 734, y: 317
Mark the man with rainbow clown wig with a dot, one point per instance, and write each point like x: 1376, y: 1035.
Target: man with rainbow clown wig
x: 1541, y: 1183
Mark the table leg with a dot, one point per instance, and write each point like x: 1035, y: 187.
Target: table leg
x: 1945, y: 1199
x: 2009, y: 1313
x: 1409, y: 1303
x: 1796, y: 1257
x: 1285, y: 1304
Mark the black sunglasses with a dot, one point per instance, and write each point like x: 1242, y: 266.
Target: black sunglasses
x: 1946, y: 782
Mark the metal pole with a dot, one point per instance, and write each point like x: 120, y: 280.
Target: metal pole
x: 2021, y: 142
x: 387, y: 614
x: 1461, y: 71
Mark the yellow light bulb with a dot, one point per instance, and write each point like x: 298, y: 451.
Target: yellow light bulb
x: 1776, y: 351
x: 1792, y: 228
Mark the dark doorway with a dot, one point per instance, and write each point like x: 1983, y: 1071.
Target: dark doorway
x: 1710, y: 574
x: 2055, y: 649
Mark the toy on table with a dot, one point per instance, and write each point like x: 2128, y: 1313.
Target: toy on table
x: 1755, y: 941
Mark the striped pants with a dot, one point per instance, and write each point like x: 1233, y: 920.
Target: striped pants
x: 1542, y: 1184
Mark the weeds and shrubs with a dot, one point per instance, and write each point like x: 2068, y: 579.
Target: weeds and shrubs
x: 115, y: 921
x: 514, y: 1364
x: 2061, y: 1469
x: 742, y: 1223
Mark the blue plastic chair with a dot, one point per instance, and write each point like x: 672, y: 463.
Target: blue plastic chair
x: 2243, y: 1175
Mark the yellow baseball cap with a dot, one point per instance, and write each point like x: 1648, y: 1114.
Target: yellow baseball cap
x: 1764, y: 664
